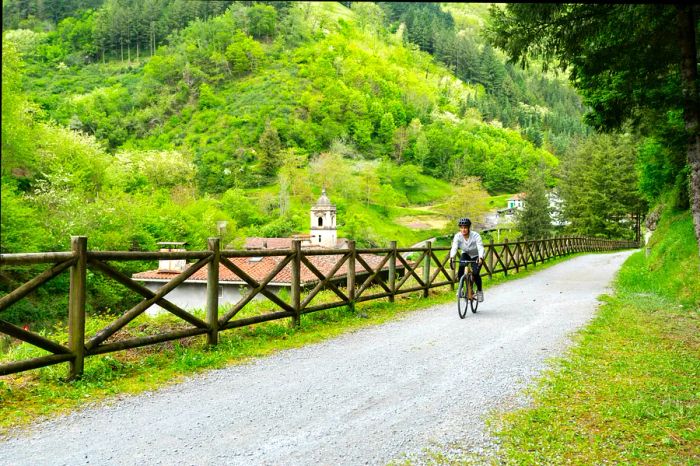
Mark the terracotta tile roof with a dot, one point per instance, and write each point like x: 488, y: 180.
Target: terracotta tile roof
x: 259, y: 267
x: 268, y: 243
x: 284, y: 243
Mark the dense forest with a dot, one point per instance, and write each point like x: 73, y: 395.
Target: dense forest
x: 137, y: 122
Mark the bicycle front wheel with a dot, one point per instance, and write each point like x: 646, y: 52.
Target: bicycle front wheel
x: 462, y: 297
x: 474, y: 302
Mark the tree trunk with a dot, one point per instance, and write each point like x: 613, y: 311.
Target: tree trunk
x: 691, y: 113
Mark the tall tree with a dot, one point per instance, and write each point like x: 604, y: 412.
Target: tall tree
x: 599, y: 188
x: 535, y: 220
x: 631, y: 62
x: 270, y: 146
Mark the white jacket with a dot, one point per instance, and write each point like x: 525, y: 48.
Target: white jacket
x: 471, y: 245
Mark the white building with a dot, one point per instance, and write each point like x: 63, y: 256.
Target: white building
x: 516, y: 202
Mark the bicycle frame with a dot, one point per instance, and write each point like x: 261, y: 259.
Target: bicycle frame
x: 470, y: 272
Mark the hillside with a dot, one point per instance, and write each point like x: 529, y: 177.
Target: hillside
x: 340, y: 89
x: 242, y: 114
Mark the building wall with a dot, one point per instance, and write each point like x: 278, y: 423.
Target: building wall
x: 191, y: 296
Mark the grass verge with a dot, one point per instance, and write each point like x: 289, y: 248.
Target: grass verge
x: 32, y: 395
x: 629, y: 391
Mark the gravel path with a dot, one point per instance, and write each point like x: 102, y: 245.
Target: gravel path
x: 373, y: 396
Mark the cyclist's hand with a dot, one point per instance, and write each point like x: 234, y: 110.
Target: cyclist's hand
x: 479, y: 261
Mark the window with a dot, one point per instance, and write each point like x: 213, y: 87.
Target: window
x: 320, y: 221
x: 319, y: 238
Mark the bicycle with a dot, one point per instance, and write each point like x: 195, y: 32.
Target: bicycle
x: 465, y: 291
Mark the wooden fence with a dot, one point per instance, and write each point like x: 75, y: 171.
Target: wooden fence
x: 393, y: 276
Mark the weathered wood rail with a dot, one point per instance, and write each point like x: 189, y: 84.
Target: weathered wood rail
x: 427, y: 270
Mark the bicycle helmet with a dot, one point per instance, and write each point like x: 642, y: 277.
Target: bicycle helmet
x: 464, y: 221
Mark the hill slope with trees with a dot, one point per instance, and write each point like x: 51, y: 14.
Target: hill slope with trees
x: 243, y: 103
x: 134, y: 132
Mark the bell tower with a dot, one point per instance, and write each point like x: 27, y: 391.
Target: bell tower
x: 323, y: 228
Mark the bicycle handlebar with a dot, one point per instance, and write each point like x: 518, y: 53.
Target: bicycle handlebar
x: 463, y: 262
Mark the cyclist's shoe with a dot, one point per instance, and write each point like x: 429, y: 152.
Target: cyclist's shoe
x: 480, y: 296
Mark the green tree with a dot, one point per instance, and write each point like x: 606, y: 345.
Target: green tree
x: 369, y: 16
x: 270, y: 145
x: 236, y: 203
x: 362, y: 133
x: 262, y: 20
x: 295, y: 173
x: 421, y: 150
x: 388, y: 197
x: 599, y: 189
x: 238, y: 57
x: 17, y: 139
x: 356, y: 226
x: 534, y: 220
x: 369, y: 183
x: 631, y: 62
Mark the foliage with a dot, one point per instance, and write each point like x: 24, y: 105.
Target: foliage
x: 600, y: 190
x: 269, y: 148
x: 184, y: 85
x: 16, y: 120
x: 661, y: 167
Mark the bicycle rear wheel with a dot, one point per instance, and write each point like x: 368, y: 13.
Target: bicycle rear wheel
x: 473, y: 303
x: 462, y: 297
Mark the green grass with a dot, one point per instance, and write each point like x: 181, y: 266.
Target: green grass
x: 44, y: 392
x: 628, y: 392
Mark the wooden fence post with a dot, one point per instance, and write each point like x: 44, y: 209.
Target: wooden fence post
x: 76, y: 307
x: 528, y: 253
x: 392, y: 272
x: 296, y: 283
x: 505, y: 263
x: 213, y: 291
x: 490, y: 254
x: 426, y: 269
x: 542, y: 246
x: 351, y: 276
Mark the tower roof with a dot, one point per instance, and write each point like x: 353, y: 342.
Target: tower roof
x: 323, y: 201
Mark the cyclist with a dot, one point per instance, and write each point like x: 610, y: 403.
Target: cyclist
x: 469, y: 242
